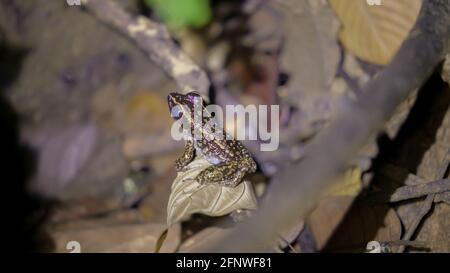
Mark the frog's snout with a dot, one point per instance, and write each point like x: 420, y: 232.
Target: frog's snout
x: 174, y: 106
x: 171, y: 100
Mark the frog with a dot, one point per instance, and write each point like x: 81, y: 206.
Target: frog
x: 230, y: 160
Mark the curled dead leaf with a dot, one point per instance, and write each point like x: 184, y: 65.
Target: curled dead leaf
x: 188, y: 196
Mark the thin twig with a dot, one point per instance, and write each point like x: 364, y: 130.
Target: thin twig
x: 423, y: 211
x: 426, y: 207
x: 414, y: 191
x: 416, y: 244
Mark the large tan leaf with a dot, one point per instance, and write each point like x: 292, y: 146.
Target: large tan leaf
x: 375, y: 33
x: 188, y: 197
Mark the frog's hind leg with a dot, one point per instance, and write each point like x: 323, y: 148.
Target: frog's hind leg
x: 228, y: 174
x: 187, y: 156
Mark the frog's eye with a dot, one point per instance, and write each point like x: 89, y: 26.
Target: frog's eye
x: 176, y: 112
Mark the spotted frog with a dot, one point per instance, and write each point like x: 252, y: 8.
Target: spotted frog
x: 231, y: 160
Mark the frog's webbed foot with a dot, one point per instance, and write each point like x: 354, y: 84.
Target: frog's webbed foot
x: 228, y: 174
x: 186, y: 158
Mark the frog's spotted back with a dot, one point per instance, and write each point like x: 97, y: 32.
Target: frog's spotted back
x: 231, y: 160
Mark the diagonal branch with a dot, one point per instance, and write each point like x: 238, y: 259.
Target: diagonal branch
x: 297, y: 189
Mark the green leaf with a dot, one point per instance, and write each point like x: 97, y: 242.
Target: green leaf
x: 182, y: 13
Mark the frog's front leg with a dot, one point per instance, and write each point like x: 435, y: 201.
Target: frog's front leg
x: 187, y: 156
x: 228, y: 174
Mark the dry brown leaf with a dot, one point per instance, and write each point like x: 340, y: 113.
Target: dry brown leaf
x: 326, y: 217
x: 334, y: 205
x: 375, y: 33
x: 203, y: 240
x: 188, y: 196
x: 310, y: 55
x: 170, y: 240
x: 435, y: 229
x: 290, y: 235
x: 360, y: 225
x: 365, y: 223
x: 145, y: 113
x: 124, y: 238
x: 74, y: 222
x: 311, y: 52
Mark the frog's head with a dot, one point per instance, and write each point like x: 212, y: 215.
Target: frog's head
x: 180, y: 104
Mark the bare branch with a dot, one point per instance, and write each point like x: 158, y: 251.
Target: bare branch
x: 154, y: 39
x: 442, y: 197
